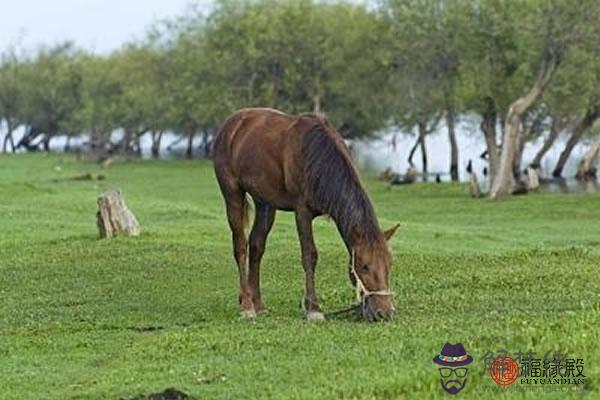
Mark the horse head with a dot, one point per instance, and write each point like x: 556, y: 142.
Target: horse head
x: 370, y: 264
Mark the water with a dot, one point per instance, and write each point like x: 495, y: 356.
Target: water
x: 378, y: 154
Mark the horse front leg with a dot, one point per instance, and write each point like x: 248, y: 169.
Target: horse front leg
x: 304, y: 219
x: 263, y: 222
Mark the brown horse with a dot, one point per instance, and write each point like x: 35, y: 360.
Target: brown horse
x: 300, y: 164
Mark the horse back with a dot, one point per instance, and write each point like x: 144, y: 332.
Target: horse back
x: 260, y: 150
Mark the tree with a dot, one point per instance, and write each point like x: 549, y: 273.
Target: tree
x: 424, y: 71
x: 587, y: 167
x: 503, y: 181
x: 10, y: 95
x: 303, y: 56
x: 493, y: 67
x: 576, y: 96
x: 100, y: 101
x: 558, y: 28
x: 50, y: 94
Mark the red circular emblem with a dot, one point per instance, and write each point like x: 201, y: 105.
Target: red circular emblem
x: 504, y: 371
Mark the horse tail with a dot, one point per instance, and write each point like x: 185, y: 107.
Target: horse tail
x: 247, y: 209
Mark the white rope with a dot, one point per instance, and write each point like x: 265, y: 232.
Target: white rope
x: 361, y: 290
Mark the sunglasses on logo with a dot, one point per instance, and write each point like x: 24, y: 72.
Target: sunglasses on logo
x: 447, y: 372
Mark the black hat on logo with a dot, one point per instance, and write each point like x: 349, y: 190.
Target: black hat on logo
x: 453, y: 355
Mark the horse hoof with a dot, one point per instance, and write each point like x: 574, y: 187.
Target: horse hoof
x: 248, y: 314
x: 315, y: 316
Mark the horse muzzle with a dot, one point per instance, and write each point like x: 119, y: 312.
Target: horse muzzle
x: 377, y: 308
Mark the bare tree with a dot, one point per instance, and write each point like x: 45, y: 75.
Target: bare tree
x: 554, y: 132
x: 591, y: 115
x: 450, y: 124
x: 587, y: 166
x: 503, y: 181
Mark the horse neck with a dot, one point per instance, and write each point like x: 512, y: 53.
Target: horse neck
x: 356, y: 210
x: 334, y: 186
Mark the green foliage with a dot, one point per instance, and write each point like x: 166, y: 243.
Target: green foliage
x: 301, y: 56
x: 142, y: 75
x: 11, y: 94
x: 402, y: 63
x: 426, y: 60
x: 50, y: 89
x: 100, y: 93
x: 93, y: 319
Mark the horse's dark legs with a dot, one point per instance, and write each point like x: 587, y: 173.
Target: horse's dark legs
x: 263, y: 222
x: 304, y: 219
x: 235, y: 203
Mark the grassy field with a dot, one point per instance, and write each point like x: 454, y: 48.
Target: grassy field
x: 82, y: 318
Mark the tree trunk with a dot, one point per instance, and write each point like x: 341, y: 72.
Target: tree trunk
x: 5, y: 143
x: 46, y: 143
x: 450, y: 123
x: 488, y: 127
x: 552, y: 136
x: 125, y: 145
x: 189, y: 153
x: 587, y: 166
x: 138, y: 144
x: 503, y: 182
x: 8, y: 139
x: 412, y: 151
x: 27, y: 140
x: 156, y: 141
x: 317, y: 104
x: 207, y: 139
x: 530, y: 132
x: 519, y: 155
x: 172, y: 145
x: 423, y: 145
x: 588, y: 120
x: 67, y: 147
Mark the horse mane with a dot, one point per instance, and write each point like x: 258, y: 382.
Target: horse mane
x: 332, y: 180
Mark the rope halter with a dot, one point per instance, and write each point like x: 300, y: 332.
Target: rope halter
x: 361, y: 290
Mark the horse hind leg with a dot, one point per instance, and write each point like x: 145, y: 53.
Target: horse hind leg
x: 263, y: 222
x: 235, y: 200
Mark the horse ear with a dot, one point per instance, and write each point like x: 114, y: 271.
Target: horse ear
x: 390, y: 232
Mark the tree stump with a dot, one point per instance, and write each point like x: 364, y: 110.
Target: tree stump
x: 533, y: 179
x: 474, y: 188
x: 114, y: 218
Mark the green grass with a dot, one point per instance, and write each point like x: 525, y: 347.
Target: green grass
x: 82, y: 318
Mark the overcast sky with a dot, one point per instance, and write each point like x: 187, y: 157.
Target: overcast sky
x: 99, y: 25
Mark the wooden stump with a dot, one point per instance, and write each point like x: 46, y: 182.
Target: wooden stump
x: 474, y: 188
x: 114, y: 218
x: 533, y: 179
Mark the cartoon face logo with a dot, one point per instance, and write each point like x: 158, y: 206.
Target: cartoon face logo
x: 452, y: 361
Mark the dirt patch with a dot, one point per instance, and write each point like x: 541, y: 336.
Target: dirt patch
x: 84, y: 177
x: 168, y: 394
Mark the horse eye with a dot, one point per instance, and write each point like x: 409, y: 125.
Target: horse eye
x: 365, y: 268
